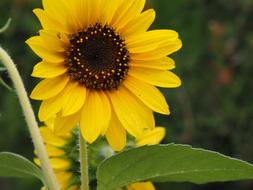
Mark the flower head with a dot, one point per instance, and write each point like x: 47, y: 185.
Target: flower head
x: 63, y: 152
x: 100, y: 66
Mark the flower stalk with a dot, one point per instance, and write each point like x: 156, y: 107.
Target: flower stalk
x: 31, y: 120
x: 84, y: 163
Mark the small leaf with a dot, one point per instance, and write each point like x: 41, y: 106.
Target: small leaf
x: 2, y: 69
x: 14, y: 165
x: 4, y: 84
x: 6, y: 26
x: 170, y: 163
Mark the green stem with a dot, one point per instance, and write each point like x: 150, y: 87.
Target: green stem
x: 31, y: 120
x: 84, y: 163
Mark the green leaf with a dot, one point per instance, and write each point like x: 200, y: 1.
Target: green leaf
x: 6, y: 26
x: 170, y: 163
x: 2, y: 81
x: 2, y: 69
x: 14, y: 165
x: 4, y: 84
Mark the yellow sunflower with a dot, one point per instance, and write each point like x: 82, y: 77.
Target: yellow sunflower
x: 60, y: 150
x: 101, y: 66
x: 63, y: 151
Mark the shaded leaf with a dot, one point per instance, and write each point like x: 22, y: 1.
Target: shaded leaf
x: 170, y: 163
x: 14, y: 165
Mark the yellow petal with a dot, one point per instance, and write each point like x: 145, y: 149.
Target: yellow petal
x: 64, y: 125
x: 154, y: 77
x: 48, y: 70
x: 75, y: 97
x: 54, y: 151
x: 49, y: 88
x: 50, y: 138
x: 56, y: 43
x: 37, y: 161
x: 161, y: 51
x: 96, y: 9
x: 68, y: 101
x: 151, y: 136
x: 152, y: 36
x: 131, y: 112
x: 82, y: 13
x: 127, y: 10
x: 164, y: 63
x: 60, y: 164
x: 109, y: 10
x: 49, y: 22
x: 148, y: 94
x: 50, y: 123
x: 139, y: 24
x: 116, y: 134
x: 52, y: 6
x: 96, y: 115
x: 77, y: 10
x: 37, y: 45
x: 49, y: 108
x: 141, y: 186
x: 63, y: 12
x: 88, y: 12
x: 150, y: 40
x: 63, y: 178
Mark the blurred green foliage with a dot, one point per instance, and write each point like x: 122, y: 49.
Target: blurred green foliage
x: 213, y: 109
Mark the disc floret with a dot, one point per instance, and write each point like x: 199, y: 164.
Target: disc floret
x: 98, y: 58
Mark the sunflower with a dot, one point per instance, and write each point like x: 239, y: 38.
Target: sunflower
x: 63, y: 151
x: 101, y: 67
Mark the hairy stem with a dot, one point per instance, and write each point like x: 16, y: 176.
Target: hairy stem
x: 31, y: 120
x: 84, y: 163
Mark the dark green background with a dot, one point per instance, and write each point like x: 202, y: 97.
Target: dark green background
x: 213, y: 109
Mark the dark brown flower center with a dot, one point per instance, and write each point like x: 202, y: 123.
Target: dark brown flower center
x: 98, y: 58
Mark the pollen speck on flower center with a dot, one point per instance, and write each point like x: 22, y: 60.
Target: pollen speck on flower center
x: 97, y: 58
